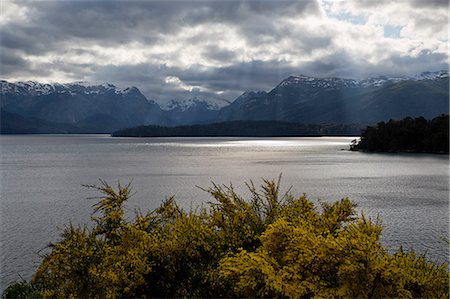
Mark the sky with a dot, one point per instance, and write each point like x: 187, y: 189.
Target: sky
x: 172, y: 50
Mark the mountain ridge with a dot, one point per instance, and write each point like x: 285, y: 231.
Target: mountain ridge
x: 106, y: 107
x: 312, y: 100
x: 93, y: 87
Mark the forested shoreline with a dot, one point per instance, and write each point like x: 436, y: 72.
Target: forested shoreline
x: 243, y: 129
x: 413, y: 135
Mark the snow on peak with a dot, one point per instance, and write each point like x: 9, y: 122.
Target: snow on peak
x: 335, y: 83
x: 87, y: 84
x: 27, y: 87
x: 327, y: 83
x: 442, y: 74
x: 294, y: 80
x: 79, y: 87
x: 186, y: 104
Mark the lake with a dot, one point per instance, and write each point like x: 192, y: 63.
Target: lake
x: 42, y: 177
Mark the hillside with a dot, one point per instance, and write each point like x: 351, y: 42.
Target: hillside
x: 96, y: 107
x: 105, y: 108
x: 314, y: 100
x: 241, y: 128
x: 11, y: 123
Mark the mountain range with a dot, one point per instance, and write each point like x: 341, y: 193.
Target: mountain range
x: 31, y: 107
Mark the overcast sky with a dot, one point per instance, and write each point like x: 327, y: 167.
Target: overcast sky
x: 177, y: 49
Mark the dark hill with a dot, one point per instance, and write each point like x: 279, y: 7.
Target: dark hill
x: 407, y: 135
x: 240, y: 128
x: 11, y: 123
x: 342, y: 101
x: 297, y: 99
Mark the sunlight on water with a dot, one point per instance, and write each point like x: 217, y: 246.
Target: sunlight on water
x: 272, y: 143
x: 246, y: 143
x: 42, y: 178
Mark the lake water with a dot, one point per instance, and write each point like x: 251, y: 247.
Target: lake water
x: 42, y: 177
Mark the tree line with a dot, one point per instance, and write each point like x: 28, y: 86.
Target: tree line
x: 406, y: 135
x: 241, y: 128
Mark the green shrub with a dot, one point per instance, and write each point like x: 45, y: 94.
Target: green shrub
x: 270, y: 245
x: 19, y: 290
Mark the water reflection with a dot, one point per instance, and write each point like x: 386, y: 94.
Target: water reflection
x: 270, y: 143
x: 41, y: 178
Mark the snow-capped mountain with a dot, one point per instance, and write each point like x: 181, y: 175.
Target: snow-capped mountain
x: 104, y: 107
x: 443, y: 74
x: 328, y: 83
x: 195, y: 110
x: 337, y: 83
x: 91, y: 107
x: 41, y: 89
x: 186, y: 104
x: 338, y: 100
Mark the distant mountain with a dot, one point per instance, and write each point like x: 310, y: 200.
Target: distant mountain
x: 431, y: 75
x: 195, y: 110
x: 324, y: 100
x: 81, y: 104
x: 186, y: 104
x: 11, y: 123
x: 104, y: 107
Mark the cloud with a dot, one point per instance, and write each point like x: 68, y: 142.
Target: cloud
x: 173, y: 82
x: 11, y: 62
x: 423, y: 18
x: 218, y: 48
x: 216, y: 53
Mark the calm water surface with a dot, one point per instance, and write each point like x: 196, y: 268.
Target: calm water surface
x: 42, y: 177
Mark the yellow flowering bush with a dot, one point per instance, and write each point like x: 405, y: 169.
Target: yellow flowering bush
x: 269, y: 245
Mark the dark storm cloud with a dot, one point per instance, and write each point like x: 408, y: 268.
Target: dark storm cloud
x: 257, y: 75
x: 96, y: 22
x: 244, y: 11
x: 150, y: 79
x: 53, y: 26
x: 410, y: 65
x: 25, y: 39
x: 11, y: 62
x: 430, y: 3
x: 344, y: 64
x: 219, y: 54
x: 286, y: 7
x: 57, y: 33
x: 253, y: 75
x: 231, y: 80
x: 111, y: 21
x: 259, y: 20
x: 77, y: 71
x: 119, y: 22
x: 341, y: 63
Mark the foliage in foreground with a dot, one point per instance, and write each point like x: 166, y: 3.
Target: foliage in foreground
x: 270, y: 245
